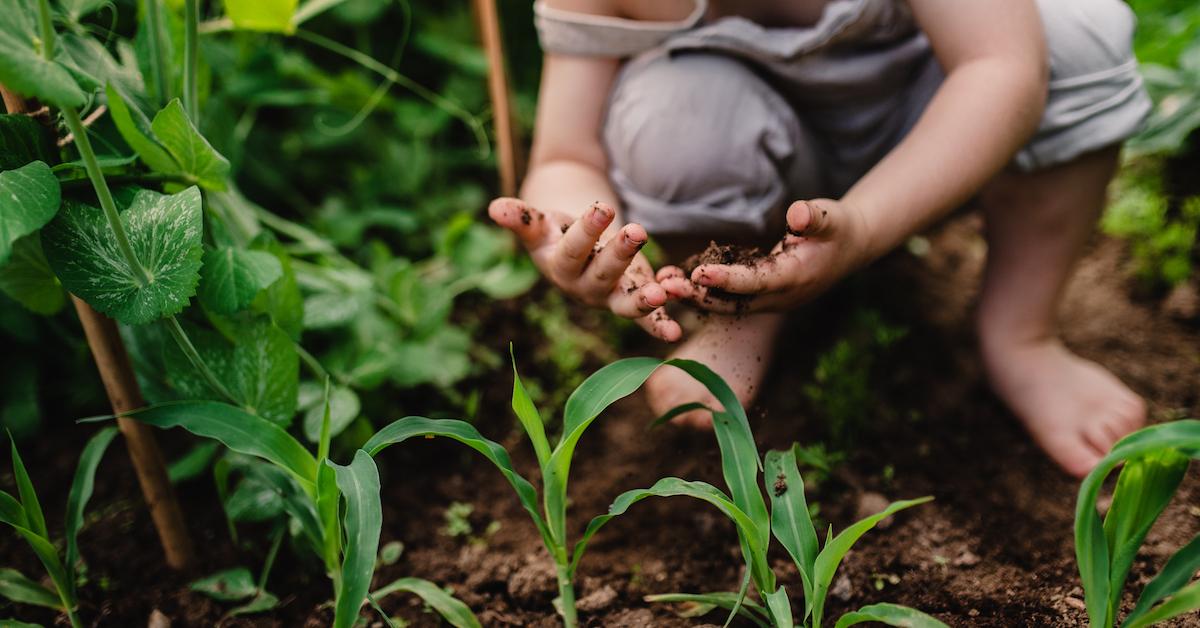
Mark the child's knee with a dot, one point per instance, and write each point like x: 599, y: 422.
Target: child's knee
x: 699, y: 142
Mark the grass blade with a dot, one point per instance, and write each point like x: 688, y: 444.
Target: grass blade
x: 16, y: 587
x: 1144, y: 488
x: 359, y: 484
x: 239, y: 430
x: 450, y: 608
x: 527, y: 413
x: 408, y: 427
x: 790, y: 519
x: 890, y: 614
x: 1185, y: 601
x: 703, y: 603
x: 81, y: 492
x: 836, y: 548
x: 1174, y: 575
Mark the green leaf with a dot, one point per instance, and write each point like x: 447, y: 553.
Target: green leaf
x: 196, y: 461
x: 22, y: 67
x: 261, y: 602
x: 790, y: 519
x: 700, y: 604
x: 1091, y: 544
x: 1177, y: 573
x: 282, y: 300
x: 231, y: 278
x: 22, y: 140
x: 11, y: 511
x: 359, y: 484
x: 527, y: 413
x: 272, y: 16
x: 344, y: 407
x: 31, y: 197
x: 195, y: 156
x: 81, y: 492
x: 230, y: 585
x: 255, y: 499
x: 16, y: 587
x: 1144, y: 488
x: 1185, y: 601
x: 890, y: 614
x: 14, y: 623
x: 164, y: 232
x: 29, y: 498
x: 238, y: 430
x: 27, y: 277
x: 134, y: 127
x: 465, y: 433
x: 781, y: 608
x: 835, y: 550
x: 76, y: 9
x: 672, y: 487
x: 452, y: 610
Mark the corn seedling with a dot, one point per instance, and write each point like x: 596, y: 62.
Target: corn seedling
x: 586, y: 403
x: 337, y: 508
x: 1155, y: 461
x: 789, y: 521
x: 24, y: 514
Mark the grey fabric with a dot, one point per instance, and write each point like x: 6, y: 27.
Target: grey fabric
x: 846, y: 90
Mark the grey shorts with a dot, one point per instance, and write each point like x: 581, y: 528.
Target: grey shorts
x: 717, y: 127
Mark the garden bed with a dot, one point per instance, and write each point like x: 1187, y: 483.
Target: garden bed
x: 994, y: 549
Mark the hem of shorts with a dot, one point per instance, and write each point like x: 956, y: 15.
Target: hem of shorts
x: 1092, y: 134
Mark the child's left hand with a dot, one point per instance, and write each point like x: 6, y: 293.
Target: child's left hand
x: 825, y: 240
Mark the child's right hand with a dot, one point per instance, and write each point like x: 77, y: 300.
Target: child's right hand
x: 600, y: 269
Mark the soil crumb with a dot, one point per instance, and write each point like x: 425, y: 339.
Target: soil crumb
x: 723, y: 254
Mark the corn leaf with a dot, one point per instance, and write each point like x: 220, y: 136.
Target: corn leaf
x: 699, y: 604
x: 451, y: 609
x: 16, y: 587
x: 890, y: 614
x: 29, y: 498
x: 1185, y: 601
x: 81, y: 492
x: 238, y: 430
x: 527, y: 413
x: 11, y: 511
x: 781, y: 608
x: 790, y: 519
x: 1091, y: 543
x: 359, y: 484
x: 674, y: 487
x: 836, y: 548
x: 1174, y: 576
x: 463, y: 432
x: 1144, y: 488
x: 678, y: 410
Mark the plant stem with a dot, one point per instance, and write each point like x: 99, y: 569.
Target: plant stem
x: 191, y: 60
x: 47, y: 27
x: 193, y: 356
x: 566, y: 596
x: 73, y: 618
x: 127, y: 179
x: 158, y: 53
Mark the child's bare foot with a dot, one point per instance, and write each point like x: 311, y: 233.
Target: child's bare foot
x: 1075, y: 409
x: 738, y: 348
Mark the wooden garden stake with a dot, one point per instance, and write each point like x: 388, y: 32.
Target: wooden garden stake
x: 500, y: 94
x: 124, y: 394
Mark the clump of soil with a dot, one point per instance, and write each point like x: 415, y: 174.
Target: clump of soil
x: 732, y: 254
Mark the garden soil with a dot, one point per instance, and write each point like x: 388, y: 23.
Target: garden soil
x: 994, y: 548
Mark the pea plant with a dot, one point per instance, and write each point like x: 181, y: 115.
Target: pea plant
x: 24, y: 515
x: 1155, y: 461
x: 789, y: 521
x: 337, y: 508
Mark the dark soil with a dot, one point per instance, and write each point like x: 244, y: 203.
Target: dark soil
x: 994, y: 549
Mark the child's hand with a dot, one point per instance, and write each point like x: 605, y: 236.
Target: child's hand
x: 598, y: 268
x: 825, y: 240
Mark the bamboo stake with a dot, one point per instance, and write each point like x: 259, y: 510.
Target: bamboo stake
x: 500, y: 93
x: 124, y: 395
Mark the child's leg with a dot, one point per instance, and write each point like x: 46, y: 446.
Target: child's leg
x: 1037, y: 225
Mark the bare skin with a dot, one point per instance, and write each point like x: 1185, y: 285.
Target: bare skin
x: 993, y: 53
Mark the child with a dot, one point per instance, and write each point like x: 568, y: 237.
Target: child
x: 706, y: 120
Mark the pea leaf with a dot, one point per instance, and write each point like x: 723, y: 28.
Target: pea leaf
x: 196, y: 157
x: 359, y: 484
x: 78, y: 8
x: 227, y: 586
x: 22, y: 140
x: 272, y: 16
x: 164, y: 232
x: 134, y: 127
x: 263, y: 601
x: 232, y: 277
x: 343, y: 409
x: 30, y: 196
x: 27, y: 277
x: 22, y: 67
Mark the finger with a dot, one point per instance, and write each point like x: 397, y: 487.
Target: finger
x: 700, y: 297
x: 660, y: 325
x: 669, y: 272
x: 629, y: 300
x: 811, y: 219
x: 513, y: 214
x: 576, y: 246
x: 612, y: 260
x: 759, y: 278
